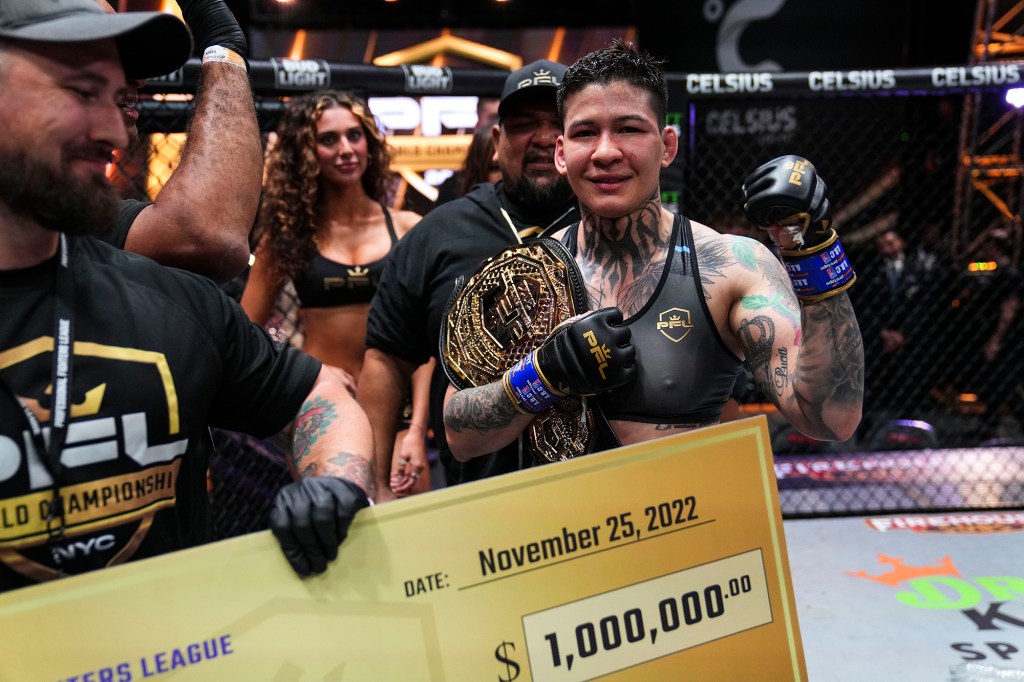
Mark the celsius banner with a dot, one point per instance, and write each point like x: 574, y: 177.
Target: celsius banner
x: 637, y: 563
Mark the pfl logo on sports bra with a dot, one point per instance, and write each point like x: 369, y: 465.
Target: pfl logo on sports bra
x: 674, y: 323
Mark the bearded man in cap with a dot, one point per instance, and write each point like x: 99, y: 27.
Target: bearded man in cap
x: 112, y: 366
x: 452, y: 240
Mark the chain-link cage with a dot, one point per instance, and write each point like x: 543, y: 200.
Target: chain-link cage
x: 890, y: 164
x: 935, y: 245
x: 943, y: 401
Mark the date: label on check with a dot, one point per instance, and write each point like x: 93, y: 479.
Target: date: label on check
x: 629, y: 626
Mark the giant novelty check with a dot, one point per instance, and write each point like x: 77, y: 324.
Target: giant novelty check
x: 660, y: 561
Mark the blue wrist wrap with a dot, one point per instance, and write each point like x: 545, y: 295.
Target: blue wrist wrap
x: 821, y: 272
x: 525, y: 388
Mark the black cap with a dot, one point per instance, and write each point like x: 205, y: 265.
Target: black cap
x: 536, y: 77
x: 151, y: 43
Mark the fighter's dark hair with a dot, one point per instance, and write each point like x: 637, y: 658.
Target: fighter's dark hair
x: 620, y: 60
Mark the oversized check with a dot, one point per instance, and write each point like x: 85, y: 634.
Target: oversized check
x: 660, y: 561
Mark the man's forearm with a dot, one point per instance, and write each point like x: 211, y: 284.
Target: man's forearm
x: 331, y: 435
x: 383, y: 385
x: 223, y: 157
x: 202, y: 217
x: 331, y: 444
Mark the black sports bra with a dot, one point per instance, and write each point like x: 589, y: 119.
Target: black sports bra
x: 685, y: 371
x: 328, y: 284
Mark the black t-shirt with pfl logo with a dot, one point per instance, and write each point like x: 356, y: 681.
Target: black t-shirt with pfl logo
x: 159, y: 356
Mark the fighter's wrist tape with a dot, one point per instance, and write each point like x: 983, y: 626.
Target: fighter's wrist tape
x: 821, y: 271
x: 525, y: 388
x: 218, y: 53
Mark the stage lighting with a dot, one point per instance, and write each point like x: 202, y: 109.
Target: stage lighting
x: 1015, y: 96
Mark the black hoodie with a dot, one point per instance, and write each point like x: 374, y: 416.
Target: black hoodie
x: 408, y: 310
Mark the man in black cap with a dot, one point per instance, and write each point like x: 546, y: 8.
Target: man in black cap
x: 452, y: 240
x: 111, y: 366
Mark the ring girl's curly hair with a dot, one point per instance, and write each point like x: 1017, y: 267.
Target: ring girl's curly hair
x: 291, y: 190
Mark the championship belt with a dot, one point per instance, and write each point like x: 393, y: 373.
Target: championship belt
x: 504, y: 311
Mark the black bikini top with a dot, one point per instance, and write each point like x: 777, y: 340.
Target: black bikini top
x: 327, y: 283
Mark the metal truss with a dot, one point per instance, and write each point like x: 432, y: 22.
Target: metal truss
x: 990, y: 175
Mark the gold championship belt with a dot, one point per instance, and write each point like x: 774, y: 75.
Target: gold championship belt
x: 504, y: 311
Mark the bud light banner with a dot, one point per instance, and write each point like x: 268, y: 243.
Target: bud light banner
x: 301, y: 74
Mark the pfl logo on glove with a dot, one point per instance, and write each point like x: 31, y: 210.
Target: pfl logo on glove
x: 798, y: 169
x: 601, y: 353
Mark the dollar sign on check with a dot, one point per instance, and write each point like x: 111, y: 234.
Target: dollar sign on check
x: 512, y: 668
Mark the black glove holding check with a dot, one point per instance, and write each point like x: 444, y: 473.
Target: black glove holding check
x: 787, y: 197
x: 587, y: 355
x: 212, y: 23
x: 310, y: 518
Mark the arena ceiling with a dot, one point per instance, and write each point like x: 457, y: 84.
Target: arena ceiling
x: 405, y: 14
x: 794, y: 34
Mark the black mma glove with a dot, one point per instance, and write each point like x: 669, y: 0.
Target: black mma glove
x: 590, y: 354
x: 212, y: 23
x: 310, y: 518
x: 787, y: 193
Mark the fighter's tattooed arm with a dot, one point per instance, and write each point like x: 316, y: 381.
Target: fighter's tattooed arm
x: 780, y: 298
x: 757, y: 335
x: 829, y: 383
x: 479, y: 409
x: 808, y: 360
x: 316, y: 416
x: 481, y: 420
